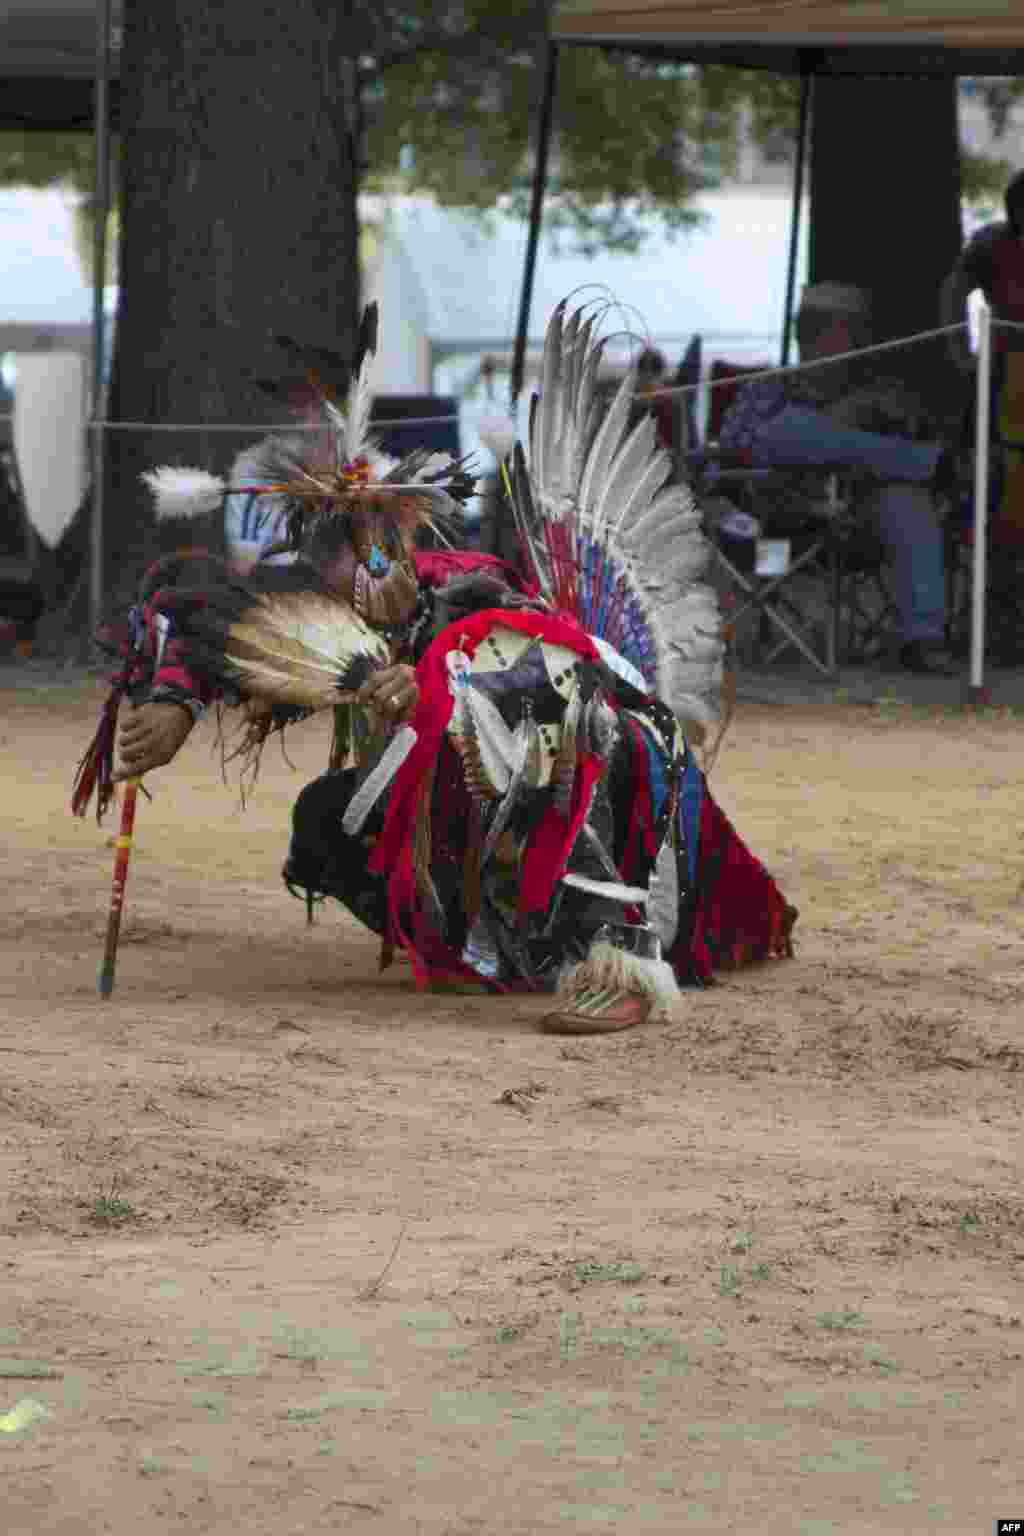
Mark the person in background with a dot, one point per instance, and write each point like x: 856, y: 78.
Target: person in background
x: 992, y: 262
x: 651, y: 374
x: 843, y: 419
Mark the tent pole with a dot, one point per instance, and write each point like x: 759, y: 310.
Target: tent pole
x: 101, y: 130
x: 540, y: 176
x: 798, y: 198
x: 982, y: 427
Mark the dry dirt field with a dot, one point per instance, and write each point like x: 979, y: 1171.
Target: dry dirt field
x: 286, y: 1247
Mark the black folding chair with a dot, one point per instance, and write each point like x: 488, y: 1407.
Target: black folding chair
x: 813, y: 580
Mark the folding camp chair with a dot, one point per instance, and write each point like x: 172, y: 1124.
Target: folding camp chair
x: 811, y: 579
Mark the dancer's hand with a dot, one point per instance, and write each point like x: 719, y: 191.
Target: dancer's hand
x: 393, y: 693
x: 149, y: 737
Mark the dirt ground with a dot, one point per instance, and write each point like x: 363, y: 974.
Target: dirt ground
x: 287, y: 1247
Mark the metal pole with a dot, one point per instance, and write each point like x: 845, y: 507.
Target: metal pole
x: 540, y: 176
x: 982, y: 414
x: 798, y: 198
x: 354, y: 130
x: 101, y: 129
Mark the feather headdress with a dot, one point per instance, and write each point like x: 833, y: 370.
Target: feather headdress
x: 330, y: 475
x: 609, y: 539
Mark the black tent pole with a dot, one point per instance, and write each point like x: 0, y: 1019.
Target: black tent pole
x: 798, y: 197
x: 540, y: 177
x: 101, y: 215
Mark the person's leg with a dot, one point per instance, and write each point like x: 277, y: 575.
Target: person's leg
x: 915, y: 543
x: 912, y: 535
x: 800, y: 438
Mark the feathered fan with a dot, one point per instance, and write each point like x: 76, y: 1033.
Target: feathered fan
x: 301, y: 648
x: 608, y: 540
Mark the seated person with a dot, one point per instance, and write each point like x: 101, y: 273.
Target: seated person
x: 651, y: 371
x: 825, y: 420
x: 992, y: 262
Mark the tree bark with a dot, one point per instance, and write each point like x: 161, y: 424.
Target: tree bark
x: 238, y: 221
x: 885, y: 211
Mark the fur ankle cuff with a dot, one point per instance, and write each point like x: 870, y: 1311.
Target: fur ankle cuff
x: 609, y: 969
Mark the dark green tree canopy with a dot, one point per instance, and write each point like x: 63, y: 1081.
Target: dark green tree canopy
x: 449, y: 92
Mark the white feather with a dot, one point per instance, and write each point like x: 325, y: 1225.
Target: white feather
x: 184, y: 492
x: 499, y: 748
x: 498, y: 435
x: 663, y: 894
x: 358, y: 410
x: 626, y: 468
x: 603, y: 449
x: 378, y: 779
x: 673, y: 504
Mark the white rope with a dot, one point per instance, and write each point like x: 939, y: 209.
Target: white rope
x: 257, y: 429
x: 663, y: 392
x: 668, y: 390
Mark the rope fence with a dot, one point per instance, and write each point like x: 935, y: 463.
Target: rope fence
x: 667, y: 391
x: 262, y: 429
x: 986, y: 324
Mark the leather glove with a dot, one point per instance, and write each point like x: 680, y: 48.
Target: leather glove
x: 149, y: 737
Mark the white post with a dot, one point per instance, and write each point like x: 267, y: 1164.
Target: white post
x: 982, y: 415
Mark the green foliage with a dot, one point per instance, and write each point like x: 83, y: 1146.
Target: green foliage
x: 838, y: 1322
x: 450, y: 97
x: 68, y: 160
x: 37, y: 159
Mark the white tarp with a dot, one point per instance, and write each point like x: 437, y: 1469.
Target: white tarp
x: 49, y: 437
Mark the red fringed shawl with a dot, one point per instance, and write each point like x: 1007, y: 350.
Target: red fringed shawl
x: 552, y: 842
x: 738, y: 914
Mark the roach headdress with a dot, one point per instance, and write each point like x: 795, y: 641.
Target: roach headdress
x: 339, y: 490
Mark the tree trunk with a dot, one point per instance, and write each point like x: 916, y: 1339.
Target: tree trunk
x: 885, y: 211
x: 238, y: 221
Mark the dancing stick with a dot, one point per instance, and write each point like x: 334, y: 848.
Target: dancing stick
x: 123, y: 845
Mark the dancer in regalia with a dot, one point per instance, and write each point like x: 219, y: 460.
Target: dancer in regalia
x: 511, y: 796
